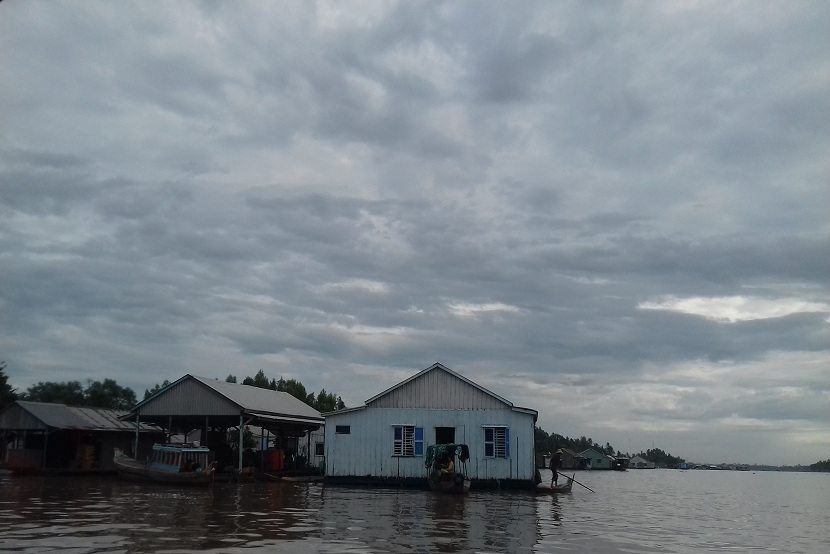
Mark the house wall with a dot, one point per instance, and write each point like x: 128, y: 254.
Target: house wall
x: 367, y: 450
x: 596, y: 460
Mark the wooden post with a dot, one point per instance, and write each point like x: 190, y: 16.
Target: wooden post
x: 45, y: 446
x: 240, y: 442
x: 169, y: 428
x: 135, y: 450
x: 206, y: 432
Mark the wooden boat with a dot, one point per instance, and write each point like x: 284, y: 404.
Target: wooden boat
x: 179, y: 464
x: 445, y: 473
x: 557, y: 489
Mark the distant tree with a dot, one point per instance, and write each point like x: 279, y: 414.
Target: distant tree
x: 660, y: 458
x: 340, y: 404
x: 820, y: 466
x: 150, y: 392
x: 230, y: 379
x: 7, y: 393
x: 294, y: 388
x: 248, y: 381
x: 108, y: 394
x: 69, y: 392
x: 261, y: 381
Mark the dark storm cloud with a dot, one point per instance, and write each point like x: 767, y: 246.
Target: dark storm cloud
x: 578, y: 206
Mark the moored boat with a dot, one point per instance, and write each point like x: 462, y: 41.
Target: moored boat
x: 445, y: 473
x: 181, y: 464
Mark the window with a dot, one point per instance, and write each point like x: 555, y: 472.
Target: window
x: 407, y: 440
x: 496, y: 442
x: 343, y: 429
x: 318, y: 449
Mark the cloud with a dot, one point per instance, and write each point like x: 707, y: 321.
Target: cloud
x: 577, y: 206
x: 736, y: 308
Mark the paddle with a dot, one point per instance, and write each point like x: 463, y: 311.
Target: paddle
x: 578, y: 483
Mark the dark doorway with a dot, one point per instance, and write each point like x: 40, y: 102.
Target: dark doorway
x: 444, y: 435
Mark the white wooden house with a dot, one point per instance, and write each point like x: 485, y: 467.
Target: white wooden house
x: 596, y: 459
x: 385, y: 439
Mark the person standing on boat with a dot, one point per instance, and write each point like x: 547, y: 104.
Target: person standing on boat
x: 555, y: 462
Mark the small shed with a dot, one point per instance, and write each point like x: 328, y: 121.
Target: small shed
x: 60, y: 438
x: 386, y: 439
x: 215, y: 406
x: 596, y: 459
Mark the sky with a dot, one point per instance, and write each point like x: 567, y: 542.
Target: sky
x: 614, y: 213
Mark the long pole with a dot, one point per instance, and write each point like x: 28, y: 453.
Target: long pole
x: 578, y: 483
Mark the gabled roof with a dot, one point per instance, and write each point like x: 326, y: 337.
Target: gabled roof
x: 440, y: 367
x: 61, y: 416
x: 249, y: 399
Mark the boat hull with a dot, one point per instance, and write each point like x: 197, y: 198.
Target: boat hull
x: 450, y: 484
x: 128, y: 468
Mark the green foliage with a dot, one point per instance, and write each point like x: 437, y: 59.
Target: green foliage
x: 109, y: 394
x: 230, y: 379
x: 323, y: 401
x: 69, y: 392
x: 660, y: 458
x: 150, y: 392
x: 7, y: 393
x: 547, y: 443
x: 820, y: 466
x: 97, y: 394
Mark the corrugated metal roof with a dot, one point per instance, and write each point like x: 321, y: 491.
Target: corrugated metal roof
x: 254, y: 399
x: 61, y: 416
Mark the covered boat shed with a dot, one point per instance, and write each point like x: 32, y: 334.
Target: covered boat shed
x: 59, y: 438
x: 215, y: 406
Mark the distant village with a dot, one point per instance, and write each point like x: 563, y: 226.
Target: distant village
x: 275, y: 429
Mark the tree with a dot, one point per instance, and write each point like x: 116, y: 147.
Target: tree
x: 260, y: 380
x: 69, y: 392
x: 150, y: 392
x: 108, y: 394
x: 230, y: 379
x: 7, y: 393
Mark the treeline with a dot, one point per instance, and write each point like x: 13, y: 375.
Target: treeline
x: 820, y: 466
x: 97, y: 394
x: 323, y: 401
x: 109, y: 394
x: 548, y: 443
x: 660, y: 458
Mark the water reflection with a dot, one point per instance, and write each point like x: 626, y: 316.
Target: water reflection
x: 633, y: 512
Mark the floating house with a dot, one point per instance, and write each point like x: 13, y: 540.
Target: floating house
x: 638, y: 462
x: 570, y: 459
x: 384, y: 441
x: 215, y: 407
x: 596, y: 459
x: 56, y: 438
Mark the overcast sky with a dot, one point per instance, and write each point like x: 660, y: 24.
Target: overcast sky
x: 613, y: 213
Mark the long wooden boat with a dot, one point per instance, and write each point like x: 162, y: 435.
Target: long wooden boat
x: 557, y: 489
x: 445, y: 474
x: 180, y: 464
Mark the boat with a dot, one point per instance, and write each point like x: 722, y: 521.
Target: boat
x: 445, y: 473
x: 557, y: 489
x: 178, y: 464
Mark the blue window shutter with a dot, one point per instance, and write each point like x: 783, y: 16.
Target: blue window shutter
x: 419, y: 441
x: 507, y: 443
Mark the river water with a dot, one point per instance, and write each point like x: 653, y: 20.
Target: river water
x: 633, y: 511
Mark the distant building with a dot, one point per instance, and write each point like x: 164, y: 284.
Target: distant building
x: 570, y: 459
x: 385, y: 440
x: 45, y: 436
x: 596, y: 459
x: 638, y: 462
